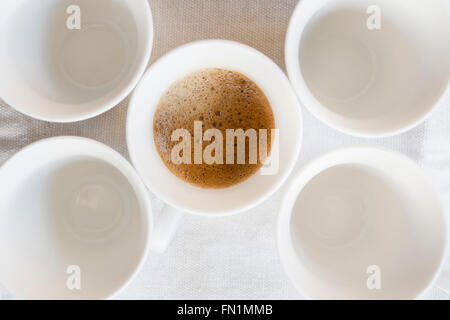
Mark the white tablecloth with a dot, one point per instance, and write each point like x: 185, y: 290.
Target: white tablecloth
x: 231, y: 257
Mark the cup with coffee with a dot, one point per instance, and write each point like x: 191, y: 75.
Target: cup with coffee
x: 213, y: 129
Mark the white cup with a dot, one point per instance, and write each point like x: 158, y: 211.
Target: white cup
x: 363, y: 223
x: 75, y: 221
x: 179, y: 195
x: 366, y: 81
x: 55, y: 72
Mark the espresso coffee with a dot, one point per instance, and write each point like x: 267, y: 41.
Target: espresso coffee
x: 220, y: 99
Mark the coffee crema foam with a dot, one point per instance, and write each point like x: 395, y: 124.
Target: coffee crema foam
x: 221, y: 99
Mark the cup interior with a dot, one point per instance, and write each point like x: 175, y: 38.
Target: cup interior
x: 173, y: 66
x: 366, y: 81
x: 72, y: 74
x: 76, y: 208
x: 351, y: 210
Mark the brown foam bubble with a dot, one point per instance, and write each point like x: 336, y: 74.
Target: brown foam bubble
x: 221, y: 99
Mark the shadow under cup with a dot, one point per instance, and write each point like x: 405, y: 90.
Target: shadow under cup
x: 74, y: 210
x: 71, y: 74
x: 360, y: 217
x: 370, y: 68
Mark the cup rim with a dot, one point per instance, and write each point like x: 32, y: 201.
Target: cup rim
x: 118, y: 97
x: 291, y: 50
x: 301, y: 179
x: 218, y: 213
x: 126, y: 169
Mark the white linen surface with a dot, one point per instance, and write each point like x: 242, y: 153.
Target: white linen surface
x: 230, y: 257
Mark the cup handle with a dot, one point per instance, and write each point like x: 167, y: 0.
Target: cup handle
x: 443, y: 281
x: 164, y: 229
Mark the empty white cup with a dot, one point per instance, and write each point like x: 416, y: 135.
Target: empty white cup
x: 178, y: 194
x: 363, y: 223
x: 369, y: 68
x: 53, y: 71
x: 75, y: 221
